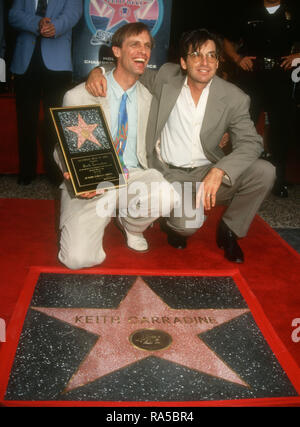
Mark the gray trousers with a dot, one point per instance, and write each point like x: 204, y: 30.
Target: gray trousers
x: 243, y: 199
x: 82, y: 222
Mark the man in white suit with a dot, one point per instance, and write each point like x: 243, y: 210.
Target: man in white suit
x: 83, y: 220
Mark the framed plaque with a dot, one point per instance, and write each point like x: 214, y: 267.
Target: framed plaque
x: 88, y: 149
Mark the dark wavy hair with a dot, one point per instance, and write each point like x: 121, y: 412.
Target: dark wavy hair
x: 195, y: 39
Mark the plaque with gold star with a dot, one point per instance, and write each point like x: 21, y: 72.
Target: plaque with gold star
x: 88, y: 148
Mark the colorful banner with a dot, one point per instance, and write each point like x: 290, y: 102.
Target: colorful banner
x: 92, y: 37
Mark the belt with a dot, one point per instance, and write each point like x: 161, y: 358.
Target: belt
x: 188, y: 170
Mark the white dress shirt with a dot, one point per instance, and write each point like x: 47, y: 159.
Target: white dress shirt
x: 272, y: 9
x: 180, y: 139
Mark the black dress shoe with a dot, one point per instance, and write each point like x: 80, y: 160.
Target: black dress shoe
x: 280, y: 190
x: 174, y: 239
x: 226, y: 240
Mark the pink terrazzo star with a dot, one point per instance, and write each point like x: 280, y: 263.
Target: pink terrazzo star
x: 123, y: 11
x: 84, y: 132
x: 143, y: 309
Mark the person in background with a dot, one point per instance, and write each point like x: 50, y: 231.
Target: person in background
x: 266, y: 32
x: 2, y: 44
x: 42, y: 69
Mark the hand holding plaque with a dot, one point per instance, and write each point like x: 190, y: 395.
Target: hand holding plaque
x: 88, y: 195
x: 88, y: 148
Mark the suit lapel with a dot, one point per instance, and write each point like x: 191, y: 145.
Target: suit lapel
x: 142, y: 117
x: 32, y: 6
x: 143, y: 102
x: 105, y: 106
x: 214, y: 108
x: 169, y: 95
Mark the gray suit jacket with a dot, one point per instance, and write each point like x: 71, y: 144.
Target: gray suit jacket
x: 227, y: 111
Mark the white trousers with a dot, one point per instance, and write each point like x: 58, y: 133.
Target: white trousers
x: 147, y: 197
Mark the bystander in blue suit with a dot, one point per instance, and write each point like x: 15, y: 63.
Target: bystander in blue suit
x: 42, y: 68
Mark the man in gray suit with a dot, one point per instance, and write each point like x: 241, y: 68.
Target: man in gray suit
x: 83, y: 220
x: 191, y: 110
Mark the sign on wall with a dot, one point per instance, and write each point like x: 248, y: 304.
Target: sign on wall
x: 101, y: 18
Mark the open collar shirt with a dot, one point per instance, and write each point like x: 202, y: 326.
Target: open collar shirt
x: 180, y: 139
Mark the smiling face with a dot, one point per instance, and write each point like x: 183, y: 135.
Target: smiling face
x: 201, y: 67
x: 134, y: 54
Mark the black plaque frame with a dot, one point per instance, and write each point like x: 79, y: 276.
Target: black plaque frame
x: 92, y: 163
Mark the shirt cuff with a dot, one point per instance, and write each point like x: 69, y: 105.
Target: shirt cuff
x: 102, y: 69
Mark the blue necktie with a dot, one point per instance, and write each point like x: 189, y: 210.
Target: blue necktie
x: 122, y: 133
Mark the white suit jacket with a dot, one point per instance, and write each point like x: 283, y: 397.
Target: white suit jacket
x: 80, y: 96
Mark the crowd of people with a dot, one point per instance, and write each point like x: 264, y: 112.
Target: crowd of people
x: 177, y: 121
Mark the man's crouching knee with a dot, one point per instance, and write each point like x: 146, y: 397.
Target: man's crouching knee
x: 266, y: 173
x: 76, y: 260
